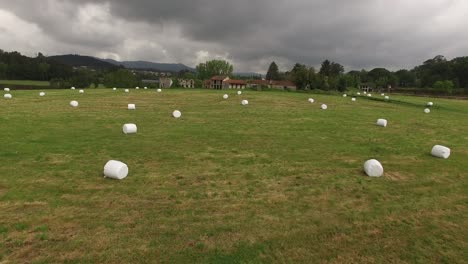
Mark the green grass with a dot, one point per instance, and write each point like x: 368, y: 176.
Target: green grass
x: 24, y: 82
x: 277, y: 181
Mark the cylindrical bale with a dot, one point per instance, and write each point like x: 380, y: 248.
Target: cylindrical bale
x: 129, y: 129
x: 353, y: 99
x: 126, y: 90
x: 73, y: 88
x: 373, y: 168
x: 345, y: 95
x: 225, y: 96
x: 440, y: 151
x: 81, y: 91
x: 131, y: 107
x: 311, y: 100
x: 382, y: 94
x: 239, y: 92
x: 427, y: 110
x: 387, y: 97
x: 137, y: 87
x: 176, y: 114
x: 41, y: 94
x: 7, y: 96
x: 74, y: 103
x: 369, y: 95
x: 6, y: 89
x: 114, y: 89
x: 115, y: 169
x: 158, y: 90
x: 324, y: 106
x: 145, y: 87
x: 358, y: 93
x: 430, y: 104
x: 382, y: 122
x: 245, y: 102
x: 365, y: 92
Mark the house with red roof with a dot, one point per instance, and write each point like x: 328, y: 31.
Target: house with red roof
x: 280, y: 85
x: 224, y: 82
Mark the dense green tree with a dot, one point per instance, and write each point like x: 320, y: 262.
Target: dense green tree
x: 273, y: 72
x: 214, y: 67
x: 120, y: 78
x: 444, y: 86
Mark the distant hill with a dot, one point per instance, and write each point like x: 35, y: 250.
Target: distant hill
x: 147, y: 65
x: 79, y: 60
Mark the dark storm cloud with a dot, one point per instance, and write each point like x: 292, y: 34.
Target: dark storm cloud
x: 358, y: 34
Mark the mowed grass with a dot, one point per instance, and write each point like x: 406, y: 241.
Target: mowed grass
x: 277, y: 181
x: 24, y: 82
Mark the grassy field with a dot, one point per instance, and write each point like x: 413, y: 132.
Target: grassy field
x: 277, y: 181
x: 24, y: 82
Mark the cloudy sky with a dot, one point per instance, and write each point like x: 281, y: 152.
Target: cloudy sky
x: 249, y: 33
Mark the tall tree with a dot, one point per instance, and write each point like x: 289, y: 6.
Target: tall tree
x: 273, y: 72
x: 214, y: 67
x: 325, y: 69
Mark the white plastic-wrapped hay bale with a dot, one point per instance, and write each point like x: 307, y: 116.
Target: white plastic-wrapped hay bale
x: 345, y: 95
x: 239, y: 92
x: 382, y: 94
x: 382, y: 122
x: 440, y: 152
x: 311, y: 100
x: 353, y: 99
x: 137, y: 88
x: 430, y: 104
x: 358, y: 93
x: 427, y: 110
x: 373, y: 168
x: 81, y: 91
x: 131, y: 107
x: 6, y: 89
x: 72, y: 88
x: 365, y: 92
x: 244, y: 102
x: 7, y: 96
x: 324, y: 107
x: 129, y: 129
x: 145, y: 88
x: 225, y: 96
x: 127, y: 90
x: 176, y: 114
x: 369, y: 95
x: 158, y: 90
x: 41, y: 94
x: 115, y: 169
x: 114, y: 89
x: 74, y: 103
x: 387, y: 97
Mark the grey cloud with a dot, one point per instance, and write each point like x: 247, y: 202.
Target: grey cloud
x: 358, y: 34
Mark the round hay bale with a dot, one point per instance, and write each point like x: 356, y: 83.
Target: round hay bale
x: 239, y: 92
x: 365, y: 92
x: 345, y: 95
x: 225, y: 96
x: 158, y: 90
x: 311, y: 100
x: 387, y: 97
x: 114, y: 89
x: 115, y: 169
x: 131, y: 107
x: 129, y: 129
x: 145, y: 87
x: 74, y: 103
x: 353, y: 99
x: 358, y: 93
x: 6, y: 89
x: 324, y: 107
x: 369, y: 95
x: 176, y: 114
x: 72, y: 88
x: 244, y: 102
x: 382, y: 94
x: 41, y: 94
x: 382, y: 122
x: 127, y: 90
x: 7, y: 96
x: 373, y: 168
x: 440, y: 152
x: 427, y: 110
x: 430, y: 104
x: 81, y: 91
x: 137, y: 88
